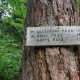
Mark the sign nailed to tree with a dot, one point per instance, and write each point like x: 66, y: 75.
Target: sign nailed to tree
x: 48, y: 36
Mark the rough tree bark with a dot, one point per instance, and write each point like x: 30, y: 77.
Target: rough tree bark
x: 56, y: 62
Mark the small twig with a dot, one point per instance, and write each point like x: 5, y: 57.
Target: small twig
x: 18, y: 31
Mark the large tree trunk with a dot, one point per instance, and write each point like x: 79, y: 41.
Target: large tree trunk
x: 56, y: 62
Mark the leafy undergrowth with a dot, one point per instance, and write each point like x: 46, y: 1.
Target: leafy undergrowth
x: 10, y: 57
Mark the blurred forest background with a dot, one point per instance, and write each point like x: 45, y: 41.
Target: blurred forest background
x: 12, y: 17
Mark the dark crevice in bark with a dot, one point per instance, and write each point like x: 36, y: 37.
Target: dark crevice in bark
x: 60, y: 51
x: 68, y: 74
x: 75, y: 50
x: 70, y: 21
x: 49, y: 0
x: 73, y: 7
x: 61, y: 62
x: 46, y: 16
x: 57, y: 16
x: 72, y: 11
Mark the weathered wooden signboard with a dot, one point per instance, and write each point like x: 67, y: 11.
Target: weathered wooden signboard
x: 50, y: 36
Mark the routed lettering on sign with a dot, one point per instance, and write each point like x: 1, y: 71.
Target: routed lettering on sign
x: 48, y: 36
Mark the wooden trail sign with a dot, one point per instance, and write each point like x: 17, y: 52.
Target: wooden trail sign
x: 50, y: 36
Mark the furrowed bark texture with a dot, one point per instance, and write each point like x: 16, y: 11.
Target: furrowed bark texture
x: 57, y: 62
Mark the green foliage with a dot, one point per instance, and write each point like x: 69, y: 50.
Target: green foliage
x: 79, y: 2
x: 11, y: 30
x: 16, y: 10
x: 10, y: 56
